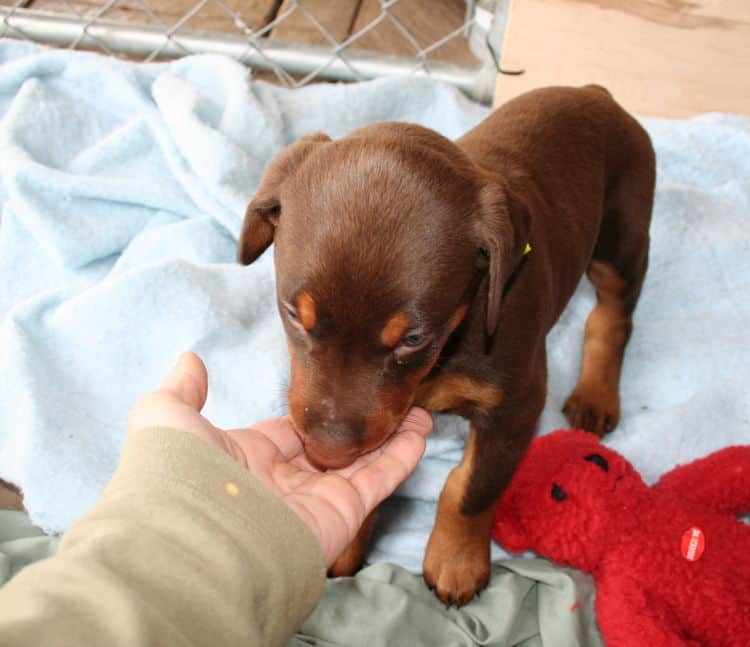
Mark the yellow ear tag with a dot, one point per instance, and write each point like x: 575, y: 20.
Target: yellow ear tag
x: 527, y: 249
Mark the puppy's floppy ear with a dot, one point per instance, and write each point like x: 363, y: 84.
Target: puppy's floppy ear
x: 503, y: 229
x: 263, y: 212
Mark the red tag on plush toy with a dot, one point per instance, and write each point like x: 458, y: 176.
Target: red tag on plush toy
x: 693, y: 544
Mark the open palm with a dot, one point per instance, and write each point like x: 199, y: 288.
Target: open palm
x: 333, y: 503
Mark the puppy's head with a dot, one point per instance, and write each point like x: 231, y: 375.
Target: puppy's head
x: 381, y: 241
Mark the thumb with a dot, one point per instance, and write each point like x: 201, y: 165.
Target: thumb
x: 188, y: 381
x: 417, y: 420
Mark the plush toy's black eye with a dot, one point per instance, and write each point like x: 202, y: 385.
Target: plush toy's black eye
x: 597, y: 460
x: 558, y: 494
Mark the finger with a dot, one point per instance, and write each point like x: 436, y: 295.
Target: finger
x: 188, y: 380
x: 417, y: 420
x: 280, y: 431
x: 379, y: 478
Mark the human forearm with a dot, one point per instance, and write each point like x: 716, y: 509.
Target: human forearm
x: 185, y: 547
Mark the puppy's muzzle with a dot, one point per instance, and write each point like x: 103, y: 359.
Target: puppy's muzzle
x: 332, y: 442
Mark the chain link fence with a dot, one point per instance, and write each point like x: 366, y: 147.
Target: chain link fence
x: 297, y: 41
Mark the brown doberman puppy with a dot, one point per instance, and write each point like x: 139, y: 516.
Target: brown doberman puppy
x: 403, y: 279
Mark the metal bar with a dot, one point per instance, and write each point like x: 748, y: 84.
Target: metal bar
x: 477, y: 82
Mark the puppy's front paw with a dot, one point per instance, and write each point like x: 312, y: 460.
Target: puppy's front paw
x: 457, y: 571
x: 594, y: 409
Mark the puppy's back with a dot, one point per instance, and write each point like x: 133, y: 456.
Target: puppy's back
x: 554, y: 128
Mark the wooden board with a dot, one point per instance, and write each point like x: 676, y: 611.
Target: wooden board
x: 426, y: 20
x: 336, y: 17
x: 658, y: 57
x: 211, y: 16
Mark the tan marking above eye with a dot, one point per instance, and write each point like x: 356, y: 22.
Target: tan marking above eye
x: 306, y: 310
x: 394, y: 329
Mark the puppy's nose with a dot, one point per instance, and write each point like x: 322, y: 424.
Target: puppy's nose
x: 333, y: 428
x: 326, y: 457
x: 332, y: 442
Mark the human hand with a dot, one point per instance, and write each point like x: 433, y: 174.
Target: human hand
x: 334, y: 503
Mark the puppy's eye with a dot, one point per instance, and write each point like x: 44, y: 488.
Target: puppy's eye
x: 412, y: 340
x: 291, y: 313
x: 558, y: 494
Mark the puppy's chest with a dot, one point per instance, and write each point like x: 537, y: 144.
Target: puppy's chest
x: 457, y: 393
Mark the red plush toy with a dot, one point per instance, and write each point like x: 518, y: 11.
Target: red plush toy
x: 671, y: 562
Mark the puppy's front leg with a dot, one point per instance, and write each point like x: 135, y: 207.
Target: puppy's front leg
x: 457, y: 560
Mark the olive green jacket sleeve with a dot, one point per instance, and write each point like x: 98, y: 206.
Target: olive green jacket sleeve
x: 184, y: 547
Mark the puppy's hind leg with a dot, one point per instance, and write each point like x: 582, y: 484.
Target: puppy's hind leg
x: 617, y: 270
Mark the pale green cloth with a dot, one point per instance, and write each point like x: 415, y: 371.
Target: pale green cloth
x: 21, y: 543
x: 529, y: 602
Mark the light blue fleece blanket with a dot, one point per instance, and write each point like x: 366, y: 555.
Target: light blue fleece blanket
x: 123, y: 189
